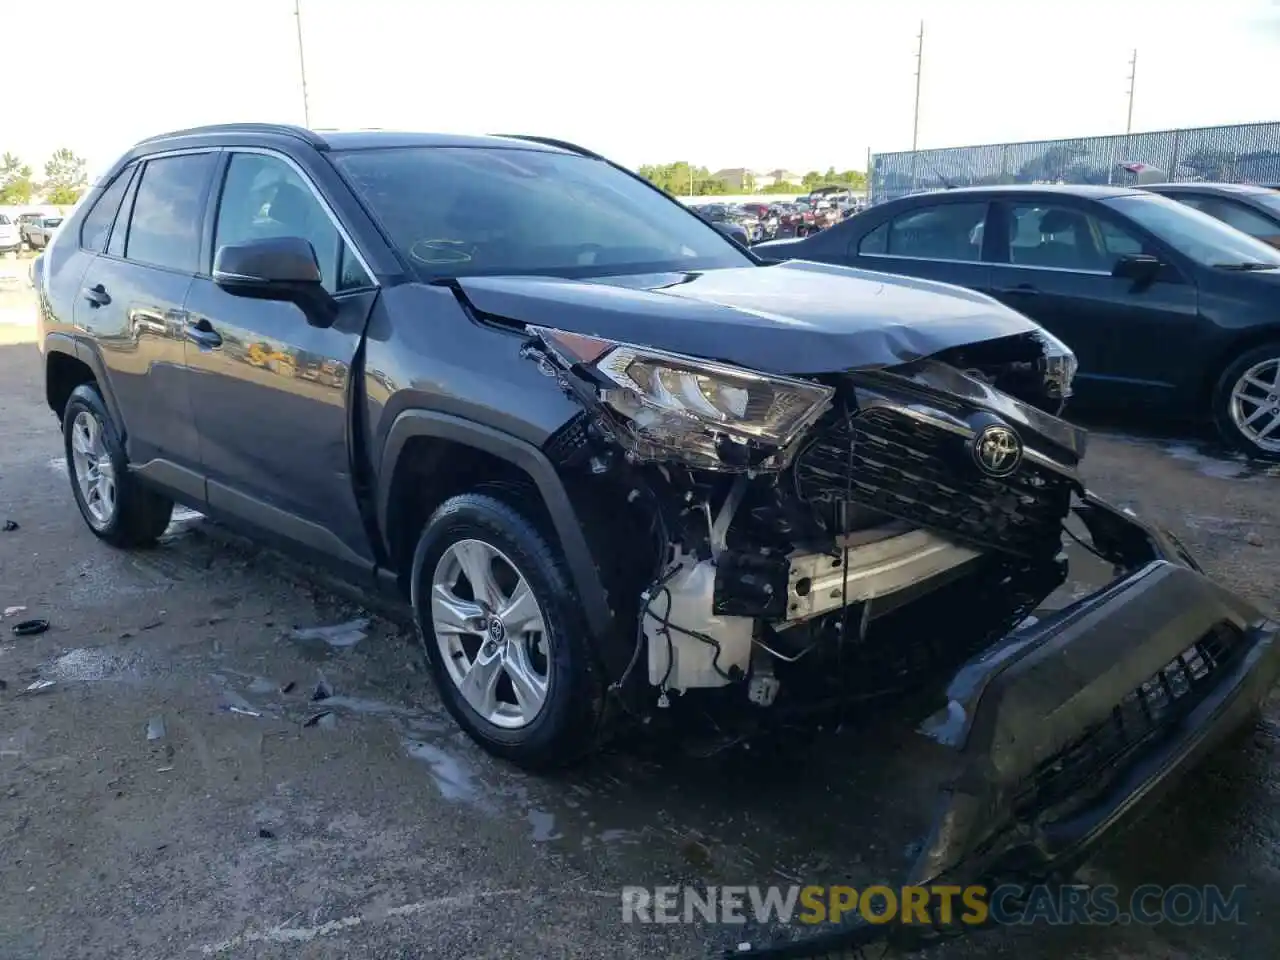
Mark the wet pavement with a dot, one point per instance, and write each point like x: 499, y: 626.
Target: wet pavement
x: 201, y: 778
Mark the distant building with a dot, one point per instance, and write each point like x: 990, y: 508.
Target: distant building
x: 744, y: 179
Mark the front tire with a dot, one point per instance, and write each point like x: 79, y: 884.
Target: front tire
x: 504, y: 634
x: 117, y: 508
x: 1246, y: 402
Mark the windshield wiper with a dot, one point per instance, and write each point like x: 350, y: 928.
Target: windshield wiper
x: 1248, y: 265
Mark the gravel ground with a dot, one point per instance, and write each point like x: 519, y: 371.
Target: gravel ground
x: 380, y: 832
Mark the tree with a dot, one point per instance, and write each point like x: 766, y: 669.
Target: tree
x: 64, y: 178
x: 15, y: 181
x: 680, y: 179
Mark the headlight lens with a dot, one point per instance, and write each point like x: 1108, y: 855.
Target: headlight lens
x: 712, y: 415
x: 1058, y: 366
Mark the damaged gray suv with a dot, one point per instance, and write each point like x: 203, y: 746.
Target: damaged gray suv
x: 624, y: 470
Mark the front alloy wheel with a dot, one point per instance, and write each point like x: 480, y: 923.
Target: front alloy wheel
x: 491, y: 634
x: 1255, y: 405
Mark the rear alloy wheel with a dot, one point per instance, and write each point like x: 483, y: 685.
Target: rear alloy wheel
x: 113, y: 503
x: 1247, y: 404
x: 504, y: 634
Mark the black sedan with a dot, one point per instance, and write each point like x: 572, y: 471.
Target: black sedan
x: 1252, y: 209
x: 1167, y: 308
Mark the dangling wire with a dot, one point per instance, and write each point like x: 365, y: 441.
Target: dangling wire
x: 844, y: 574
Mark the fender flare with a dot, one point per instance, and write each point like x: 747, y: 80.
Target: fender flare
x: 525, y: 456
x: 78, y: 350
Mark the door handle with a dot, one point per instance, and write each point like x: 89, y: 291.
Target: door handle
x: 97, y: 295
x: 1021, y: 290
x: 202, y: 333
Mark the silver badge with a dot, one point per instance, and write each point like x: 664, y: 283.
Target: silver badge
x: 997, y: 450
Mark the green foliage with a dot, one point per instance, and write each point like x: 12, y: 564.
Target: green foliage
x: 64, y: 178
x: 853, y: 179
x: 681, y: 180
x: 15, y: 181
x: 784, y: 187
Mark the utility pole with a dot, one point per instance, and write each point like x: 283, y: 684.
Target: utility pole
x: 302, y: 65
x: 915, y: 129
x: 1133, y: 84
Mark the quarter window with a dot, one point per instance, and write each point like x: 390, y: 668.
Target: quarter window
x: 97, y: 222
x: 265, y: 197
x: 947, y: 231
x: 164, y: 230
x: 1066, y: 238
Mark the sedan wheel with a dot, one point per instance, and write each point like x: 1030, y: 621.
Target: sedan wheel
x: 491, y: 634
x: 93, y: 470
x: 1254, y: 406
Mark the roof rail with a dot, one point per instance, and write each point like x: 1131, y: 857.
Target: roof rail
x: 552, y: 142
x: 279, y: 129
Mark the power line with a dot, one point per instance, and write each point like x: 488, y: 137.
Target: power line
x: 1133, y: 85
x: 302, y: 65
x: 915, y: 129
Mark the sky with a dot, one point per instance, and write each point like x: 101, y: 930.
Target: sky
x: 801, y: 84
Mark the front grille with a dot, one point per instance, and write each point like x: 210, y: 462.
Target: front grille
x: 1088, y: 766
x: 924, y: 475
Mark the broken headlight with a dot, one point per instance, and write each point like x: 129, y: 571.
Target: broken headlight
x: 712, y: 415
x: 1058, y: 366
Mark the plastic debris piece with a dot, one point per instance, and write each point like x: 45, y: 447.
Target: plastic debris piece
x: 29, y: 628
x: 12, y: 611
x: 266, y: 834
x: 287, y: 687
x: 155, y: 728
x: 39, y: 685
x: 322, y: 691
x: 232, y: 708
x: 10, y: 526
x: 325, y: 718
x: 163, y: 769
x: 336, y: 635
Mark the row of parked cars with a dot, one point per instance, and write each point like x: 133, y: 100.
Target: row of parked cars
x: 31, y: 230
x: 758, y: 221
x: 1167, y: 293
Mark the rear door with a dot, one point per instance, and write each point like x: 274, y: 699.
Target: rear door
x: 1054, y: 261
x: 130, y: 307
x: 940, y: 240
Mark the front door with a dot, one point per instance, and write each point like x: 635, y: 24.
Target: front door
x: 131, y: 306
x: 270, y: 391
x: 1058, y: 271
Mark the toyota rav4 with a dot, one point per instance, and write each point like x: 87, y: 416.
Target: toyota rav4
x: 617, y: 465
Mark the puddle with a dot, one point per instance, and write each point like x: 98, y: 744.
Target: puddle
x: 544, y: 826
x: 1204, y: 456
x: 452, y: 776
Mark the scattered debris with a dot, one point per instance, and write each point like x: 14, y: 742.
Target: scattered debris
x: 325, y: 718
x: 163, y: 769
x: 10, y: 526
x: 13, y: 611
x: 232, y: 708
x: 155, y: 728
x: 336, y: 635
x: 1253, y: 538
x: 4, y: 685
x: 287, y: 687
x: 266, y: 834
x: 39, y: 685
x: 152, y: 625
x: 30, y: 628
x: 322, y: 691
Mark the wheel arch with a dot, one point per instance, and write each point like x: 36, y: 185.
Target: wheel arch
x: 1247, y: 340
x: 414, y: 431
x: 67, y: 365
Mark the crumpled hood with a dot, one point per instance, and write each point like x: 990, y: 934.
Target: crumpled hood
x: 796, y: 317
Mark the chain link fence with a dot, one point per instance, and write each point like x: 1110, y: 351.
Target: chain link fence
x: 1248, y: 153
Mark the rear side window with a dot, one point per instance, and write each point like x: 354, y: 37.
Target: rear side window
x: 164, y: 230
x: 948, y: 231
x: 97, y: 222
x: 5, y: 221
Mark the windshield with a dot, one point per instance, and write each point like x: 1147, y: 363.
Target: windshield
x: 52, y: 221
x: 468, y: 211
x: 1197, y: 235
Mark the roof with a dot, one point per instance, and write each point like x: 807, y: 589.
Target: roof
x: 1194, y: 187
x: 1091, y: 191
x: 353, y: 139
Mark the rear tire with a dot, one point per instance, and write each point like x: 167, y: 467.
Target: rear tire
x: 117, y: 508
x: 1246, y: 402
x: 541, y: 725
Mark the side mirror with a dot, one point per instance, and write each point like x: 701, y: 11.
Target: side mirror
x: 1138, y: 267
x: 276, y: 268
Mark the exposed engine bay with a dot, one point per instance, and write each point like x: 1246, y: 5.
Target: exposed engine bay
x: 794, y: 520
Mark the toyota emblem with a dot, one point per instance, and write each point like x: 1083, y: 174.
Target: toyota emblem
x: 997, y: 450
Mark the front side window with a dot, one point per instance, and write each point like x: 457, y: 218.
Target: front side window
x: 164, y: 230
x: 1065, y: 237
x: 947, y: 231
x: 468, y: 211
x: 97, y: 222
x: 265, y: 197
x: 1204, y: 239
